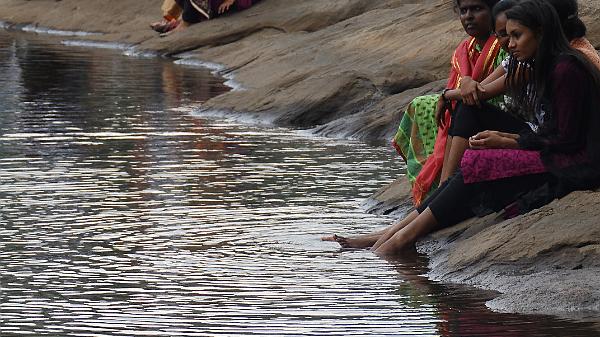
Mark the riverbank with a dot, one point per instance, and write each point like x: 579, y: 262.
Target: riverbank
x: 347, y: 69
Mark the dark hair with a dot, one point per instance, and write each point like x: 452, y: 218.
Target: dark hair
x: 568, y: 14
x: 501, y: 7
x: 489, y: 3
x: 527, y: 81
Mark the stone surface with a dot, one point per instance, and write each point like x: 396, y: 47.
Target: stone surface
x: 348, y: 68
x: 545, y: 261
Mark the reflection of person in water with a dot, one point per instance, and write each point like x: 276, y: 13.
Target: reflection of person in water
x: 182, y: 86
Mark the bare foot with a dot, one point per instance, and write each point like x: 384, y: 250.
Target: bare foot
x: 336, y: 238
x: 356, y: 242
x: 391, y: 252
x: 329, y: 238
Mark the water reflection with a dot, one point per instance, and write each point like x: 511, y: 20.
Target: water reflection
x: 123, y: 215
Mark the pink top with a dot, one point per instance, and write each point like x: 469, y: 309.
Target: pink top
x: 492, y: 164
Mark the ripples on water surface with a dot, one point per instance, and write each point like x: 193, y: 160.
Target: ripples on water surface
x: 122, y: 214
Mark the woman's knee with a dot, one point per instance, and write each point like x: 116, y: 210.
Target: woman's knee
x: 465, y: 121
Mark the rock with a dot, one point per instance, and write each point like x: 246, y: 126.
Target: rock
x: 545, y: 261
x: 348, y: 68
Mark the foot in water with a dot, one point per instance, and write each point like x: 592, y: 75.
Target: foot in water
x: 348, y: 242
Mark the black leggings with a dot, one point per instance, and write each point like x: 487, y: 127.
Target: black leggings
x: 454, y: 200
x: 469, y: 120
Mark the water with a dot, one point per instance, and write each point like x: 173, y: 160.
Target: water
x: 125, y: 214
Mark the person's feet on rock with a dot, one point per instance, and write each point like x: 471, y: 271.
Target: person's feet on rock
x: 159, y: 26
x: 174, y: 27
x: 165, y: 26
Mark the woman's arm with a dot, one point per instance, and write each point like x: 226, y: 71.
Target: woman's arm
x: 471, y: 92
x: 496, y: 74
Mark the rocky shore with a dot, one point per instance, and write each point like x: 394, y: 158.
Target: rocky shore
x: 348, y: 69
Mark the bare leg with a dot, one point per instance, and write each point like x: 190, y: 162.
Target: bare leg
x: 406, y: 237
x: 368, y: 240
x: 444, y: 175
x: 360, y: 241
x: 395, y: 228
x: 453, y: 157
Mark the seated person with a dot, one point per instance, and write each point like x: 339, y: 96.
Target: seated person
x: 194, y: 11
x: 417, y: 132
x: 557, y: 153
x: 472, y: 92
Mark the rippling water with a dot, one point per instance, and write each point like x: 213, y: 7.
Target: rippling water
x: 123, y: 214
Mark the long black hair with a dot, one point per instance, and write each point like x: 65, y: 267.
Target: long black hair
x: 489, y: 3
x: 527, y: 82
x: 568, y: 14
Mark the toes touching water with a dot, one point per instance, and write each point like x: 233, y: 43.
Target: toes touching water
x: 353, y: 242
x: 336, y: 238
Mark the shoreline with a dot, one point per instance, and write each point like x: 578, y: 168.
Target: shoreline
x: 341, y: 71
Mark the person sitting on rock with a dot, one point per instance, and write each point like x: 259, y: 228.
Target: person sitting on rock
x: 558, y: 152
x: 472, y: 93
x: 194, y: 11
x: 477, y: 57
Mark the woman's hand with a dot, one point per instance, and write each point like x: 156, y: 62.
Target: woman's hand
x: 225, y: 6
x: 470, y: 91
x: 494, y: 140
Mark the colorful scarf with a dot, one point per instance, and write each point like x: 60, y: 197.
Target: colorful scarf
x: 466, y: 61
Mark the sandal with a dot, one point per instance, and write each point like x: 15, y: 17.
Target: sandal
x: 169, y: 27
x: 159, y: 25
x: 164, y: 26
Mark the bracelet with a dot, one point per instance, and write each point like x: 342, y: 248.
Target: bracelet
x: 444, y: 94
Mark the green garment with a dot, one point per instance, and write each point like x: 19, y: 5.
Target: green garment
x: 416, y: 134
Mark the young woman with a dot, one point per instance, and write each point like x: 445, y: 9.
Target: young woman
x: 468, y: 91
x: 558, y: 153
x: 472, y: 92
x: 476, y: 57
x: 574, y: 28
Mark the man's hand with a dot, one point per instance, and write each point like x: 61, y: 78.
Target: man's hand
x: 225, y: 6
x: 470, y: 91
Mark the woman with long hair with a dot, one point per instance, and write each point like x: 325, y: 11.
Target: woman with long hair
x: 472, y: 93
x: 557, y: 152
